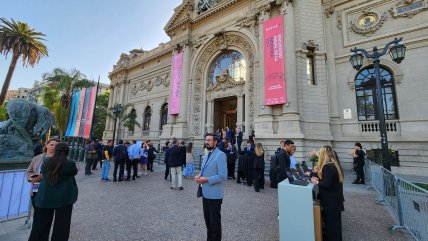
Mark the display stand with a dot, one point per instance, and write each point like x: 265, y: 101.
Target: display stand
x: 297, y: 220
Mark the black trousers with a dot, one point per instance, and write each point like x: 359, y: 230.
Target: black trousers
x: 88, y: 166
x: 231, y: 168
x: 259, y: 179
x: 94, y: 163
x: 359, y: 170
x: 166, y: 171
x: 118, y: 164
x: 332, y: 225
x: 239, y: 146
x: 43, y: 220
x: 128, y: 164
x: 150, y: 164
x: 212, y: 216
x: 134, y: 164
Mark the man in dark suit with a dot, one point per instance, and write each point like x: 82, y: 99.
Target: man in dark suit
x: 239, y: 136
x: 120, y: 153
x: 283, y: 162
x: 173, y: 158
x: 151, y: 155
x: 211, y: 178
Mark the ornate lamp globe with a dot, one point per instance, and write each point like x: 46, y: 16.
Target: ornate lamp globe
x: 398, y: 52
x: 356, y: 60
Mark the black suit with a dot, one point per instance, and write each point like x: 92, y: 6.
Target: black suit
x: 173, y: 156
x: 284, y: 165
x: 239, y: 140
x: 331, y: 196
x: 259, y: 169
x: 151, y: 157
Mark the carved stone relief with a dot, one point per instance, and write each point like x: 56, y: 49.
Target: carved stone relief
x: 212, y: 48
x: 408, y: 8
x: 150, y: 83
x: 224, y: 82
x: 251, y: 23
x: 368, y: 23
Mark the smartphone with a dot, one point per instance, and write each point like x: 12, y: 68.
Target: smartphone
x: 34, y: 175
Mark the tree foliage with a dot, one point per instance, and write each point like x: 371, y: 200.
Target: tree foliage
x: 22, y: 41
x: 130, y: 120
x: 3, y: 113
x: 100, y: 117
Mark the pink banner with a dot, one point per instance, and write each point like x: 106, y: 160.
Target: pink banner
x: 79, y: 112
x: 274, y: 61
x: 177, y: 70
x: 90, y: 115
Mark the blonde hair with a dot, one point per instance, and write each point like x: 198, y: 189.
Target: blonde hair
x: 327, y: 156
x: 259, y: 149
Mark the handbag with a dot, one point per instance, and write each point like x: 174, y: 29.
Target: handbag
x: 199, y: 193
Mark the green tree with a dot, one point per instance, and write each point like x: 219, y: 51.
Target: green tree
x: 3, y: 113
x: 52, y: 100
x: 130, y: 120
x: 22, y: 41
x: 118, y: 112
x: 100, y: 117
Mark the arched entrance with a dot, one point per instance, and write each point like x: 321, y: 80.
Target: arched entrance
x: 225, y: 113
x: 226, y: 89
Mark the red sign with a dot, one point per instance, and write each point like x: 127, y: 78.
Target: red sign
x: 274, y: 67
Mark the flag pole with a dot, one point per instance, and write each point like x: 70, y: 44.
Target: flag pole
x: 95, y: 107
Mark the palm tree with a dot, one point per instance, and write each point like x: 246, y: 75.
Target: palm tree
x: 52, y: 100
x: 130, y: 120
x: 66, y: 83
x: 22, y: 41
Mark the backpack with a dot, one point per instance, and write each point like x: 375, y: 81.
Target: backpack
x: 123, y: 154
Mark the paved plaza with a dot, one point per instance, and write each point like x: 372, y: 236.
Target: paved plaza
x: 146, y: 209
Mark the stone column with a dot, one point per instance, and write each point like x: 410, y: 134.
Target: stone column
x: 263, y: 123
x: 331, y: 70
x: 110, y: 101
x: 289, y: 120
x: 181, y: 126
x: 240, y: 109
x: 210, y: 116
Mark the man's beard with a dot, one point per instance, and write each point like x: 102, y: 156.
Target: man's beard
x: 209, y: 148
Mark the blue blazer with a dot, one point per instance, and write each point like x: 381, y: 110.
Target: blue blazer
x: 215, y: 169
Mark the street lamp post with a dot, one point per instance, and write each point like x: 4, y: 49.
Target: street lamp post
x: 117, y: 109
x: 397, y: 53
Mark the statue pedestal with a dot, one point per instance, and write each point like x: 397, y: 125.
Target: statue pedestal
x: 14, y: 165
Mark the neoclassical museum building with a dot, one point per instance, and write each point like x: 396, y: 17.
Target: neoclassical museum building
x: 282, y: 69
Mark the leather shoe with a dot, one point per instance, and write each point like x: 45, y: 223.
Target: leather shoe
x: 180, y: 188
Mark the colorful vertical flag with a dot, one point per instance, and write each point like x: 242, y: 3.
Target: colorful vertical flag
x: 90, y: 116
x: 85, y: 111
x: 76, y: 110
x: 71, y: 115
x: 79, y: 112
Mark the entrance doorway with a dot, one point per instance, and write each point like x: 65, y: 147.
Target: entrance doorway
x: 225, y: 113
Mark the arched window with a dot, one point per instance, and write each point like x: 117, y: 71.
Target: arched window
x: 147, y: 118
x: 233, y: 62
x: 164, y: 115
x: 365, y: 87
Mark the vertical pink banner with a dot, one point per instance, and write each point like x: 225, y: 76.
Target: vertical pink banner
x: 90, y: 116
x: 79, y: 112
x: 274, y: 67
x: 177, y: 70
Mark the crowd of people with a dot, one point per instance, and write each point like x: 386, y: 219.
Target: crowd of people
x: 54, y: 188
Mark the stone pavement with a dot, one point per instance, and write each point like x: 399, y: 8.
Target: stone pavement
x: 146, y: 209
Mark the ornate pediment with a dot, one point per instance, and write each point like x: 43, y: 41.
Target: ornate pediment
x: 224, y: 82
x: 182, y: 15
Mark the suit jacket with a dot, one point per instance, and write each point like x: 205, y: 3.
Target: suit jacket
x: 284, y: 165
x: 330, y: 189
x: 259, y: 161
x: 173, y: 156
x: 60, y: 194
x: 240, y: 136
x: 215, y: 169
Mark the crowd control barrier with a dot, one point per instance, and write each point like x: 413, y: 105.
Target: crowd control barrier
x: 408, y: 202
x: 15, y: 199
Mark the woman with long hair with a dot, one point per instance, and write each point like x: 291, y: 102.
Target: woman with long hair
x: 259, y: 168
x: 57, y: 194
x: 189, y: 170
x: 330, y: 193
x: 144, y: 153
x: 34, y: 169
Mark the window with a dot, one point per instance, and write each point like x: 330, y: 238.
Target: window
x: 233, y: 62
x: 147, y: 118
x: 310, y: 65
x: 164, y: 115
x: 365, y: 87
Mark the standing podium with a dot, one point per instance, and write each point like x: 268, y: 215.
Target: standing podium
x: 299, y: 215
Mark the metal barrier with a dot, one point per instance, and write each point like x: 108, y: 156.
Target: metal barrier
x: 409, y: 203
x: 15, y: 201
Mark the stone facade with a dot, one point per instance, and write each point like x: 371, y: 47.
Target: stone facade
x: 321, y: 104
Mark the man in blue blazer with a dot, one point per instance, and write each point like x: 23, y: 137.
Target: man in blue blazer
x: 213, y: 174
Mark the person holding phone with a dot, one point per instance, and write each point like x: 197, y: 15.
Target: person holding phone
x: 56, y: 196
x: 34, y: 169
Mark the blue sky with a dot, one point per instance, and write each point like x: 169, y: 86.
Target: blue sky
x: 88, y: 35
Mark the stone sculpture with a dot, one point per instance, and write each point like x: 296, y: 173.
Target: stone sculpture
x: 28, y: 122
